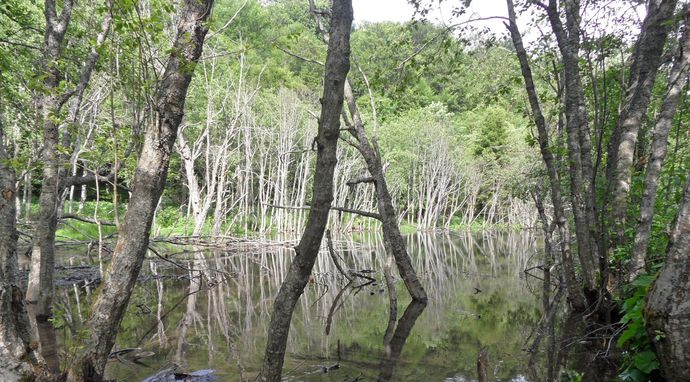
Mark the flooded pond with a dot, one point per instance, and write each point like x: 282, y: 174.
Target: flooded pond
x: 212, y: 310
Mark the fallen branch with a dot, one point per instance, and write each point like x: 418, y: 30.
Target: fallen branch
x: 341, y: 209
x: 368, y: 179
x: 87, y: 220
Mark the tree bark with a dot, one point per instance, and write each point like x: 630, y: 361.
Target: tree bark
x: 147, y: 186
x: 19, y: 359
x: 337, y: 67
x: 574, y: 291
x: 393, y: 240
x: 664, y: 123
x: 51, y: 101
x: 647, y: 59
x: 667, y: 311
x: 40, y: 286
x: 579, y: 146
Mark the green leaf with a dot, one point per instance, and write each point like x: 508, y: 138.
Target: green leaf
x: 646, y: 361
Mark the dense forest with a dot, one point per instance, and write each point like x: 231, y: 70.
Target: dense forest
x: 140, y: 136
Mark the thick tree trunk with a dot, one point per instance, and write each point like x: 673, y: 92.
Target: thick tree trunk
x: 667, y: 311
x: 337, y: 67
x: 574, y: 291
x: 393, y: 240
x: 147, y: 186
x: 663, y: 126
x: 19, y: 359
x: 647, y: 59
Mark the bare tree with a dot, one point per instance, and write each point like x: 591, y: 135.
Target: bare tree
x: 149, y: 180
x: 337, y: 67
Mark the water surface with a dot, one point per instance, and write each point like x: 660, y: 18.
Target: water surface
x: 212, y: 310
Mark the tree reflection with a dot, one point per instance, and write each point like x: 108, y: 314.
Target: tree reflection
x: 402, y: 331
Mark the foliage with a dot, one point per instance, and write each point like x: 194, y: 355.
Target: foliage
x: 641, y: 360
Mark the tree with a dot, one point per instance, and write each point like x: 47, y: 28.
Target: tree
x: 575, y: 295
x: 20, y: 358
x: 337, y: 66
x: 667, y: 312
x: 659, y: 147
x: 147, y: 186
x: 51, y: 99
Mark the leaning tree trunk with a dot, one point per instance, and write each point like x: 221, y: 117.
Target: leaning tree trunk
x: 337, y: 66
x: 574, y: 292
x: 676, y: 81
x: 147, y: 186
x: 393, y: 240
x: 647, y: 58
x: 667, y: 311
x: 19, y: 360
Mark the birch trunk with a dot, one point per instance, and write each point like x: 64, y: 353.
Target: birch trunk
x: 659, y: 148
x: 647, y: 59
x: 147, y: 187
x: 40, y: 286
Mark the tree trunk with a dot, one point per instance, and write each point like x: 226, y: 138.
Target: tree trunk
x: 667, y: 311
x: 337, y: 67
x: 19, y: 359
x: 662, y: 128
x: 574, y: 292
x: 579, y: 148
x: 40, y: 286
x: 647, y: 59
x: 147, y: 186
x: 393, y: 240
x: 51, y: 101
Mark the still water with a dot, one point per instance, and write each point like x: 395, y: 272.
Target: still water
x: 212, y: 309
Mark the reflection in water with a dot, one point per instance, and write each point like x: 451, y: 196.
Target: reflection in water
x: 213, y: 308
x: 402, y: 331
